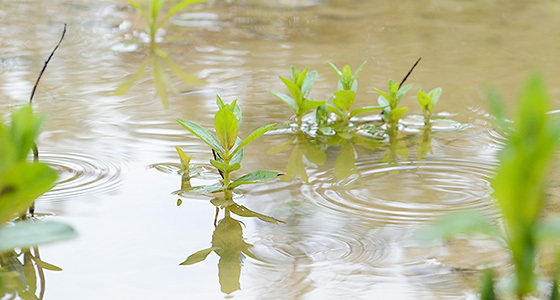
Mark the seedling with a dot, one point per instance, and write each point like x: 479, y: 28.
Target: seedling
x: 299, y: 88
x: 21, y: 182
x: 152, y: 15
x: 346, y: 80
x: 428, y: 102
x: 520, y: 186
x: 389, y: 101
x: 228, y: 149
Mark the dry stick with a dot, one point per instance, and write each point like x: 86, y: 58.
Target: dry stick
x: 34, y: 147
x: 408, y: 74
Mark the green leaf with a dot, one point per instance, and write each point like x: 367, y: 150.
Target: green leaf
x: 254, y: 135
x: 20, y: 185
x: 225, y: 167
x: 554, y: 295
x: 335, y: 110
x: 403, y: 91
x: 344, y: 99
x: 185, y: 160
x: 308, y: 83
x: 548, y: 230
x: 254, y: 177
x: 358, y: 71
x: 463, y: 222
x: 434, y: 96
x: 423, y: 100
x: 384, y: 95
x: 364, y: 110
x: 301, y: 78
x: 396, y: 114
x: 294, y: 89
x: 29, y: 234
x: 336, y: 70
x: 203, y: 134
x: 291, y: 102
x: 226, y: 126
x: 307, y: 105
x: 198, y: 256
x: 208, y: 189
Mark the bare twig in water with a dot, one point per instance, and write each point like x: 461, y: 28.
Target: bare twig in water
x: 34, y: 146
x: 45, y: 66
x: 408, y: 74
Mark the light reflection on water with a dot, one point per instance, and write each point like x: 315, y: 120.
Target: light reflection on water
x: 338, y: 241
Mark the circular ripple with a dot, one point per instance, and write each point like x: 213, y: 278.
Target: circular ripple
x: 80, y: 175
x: 408, y: 193
x: 318, y: 246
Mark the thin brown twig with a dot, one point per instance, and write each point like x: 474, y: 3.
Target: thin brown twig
x: 45, y: 66
x: 408, y: 74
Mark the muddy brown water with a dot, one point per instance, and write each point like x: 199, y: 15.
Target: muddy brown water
x: 344, y: 238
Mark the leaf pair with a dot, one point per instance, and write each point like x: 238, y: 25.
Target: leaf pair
x: 346, y: 80
x: 428, y: 102
x: 389, y: 101
x: 299, y: 89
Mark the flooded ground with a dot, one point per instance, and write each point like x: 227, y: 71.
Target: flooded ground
x: 344, y: 238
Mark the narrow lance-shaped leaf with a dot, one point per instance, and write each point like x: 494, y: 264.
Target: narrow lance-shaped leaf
x: 203, y: 134
x: 435, y: 94
x: 255, y: 177
x: 291, y: 102
x: 139, y: 9
x: 364, y: 110
x: 254, y: 135
x: 308, y: 83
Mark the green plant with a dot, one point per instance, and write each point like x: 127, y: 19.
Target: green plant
x: 428, y: 102
x: 21, y: 182
x: 228, y: 149
x: 299, y: 88
x: 151, y: 16
x: 520, y: 186
x: 346, y: 80
x: 389, y: 101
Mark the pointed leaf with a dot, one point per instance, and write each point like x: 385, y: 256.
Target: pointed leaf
x: 46, y: 265
x: 254, y: 135
x: 254, y: 177
x: 434, y: 96
x: 403, y: 91
x: 307, y: 105
x: 295, y: 92
x: 185, y: 160
x: 336, y: 70
x: 291, y: 102
x: 308, y: 83
x: 203, y: 134
x: 344, y: 99
x: 358, y: 71
x: 198, y: 256
x: 208, y: 189
x: 139, y: 9
x: 364, y: 109
x: 243, y: 211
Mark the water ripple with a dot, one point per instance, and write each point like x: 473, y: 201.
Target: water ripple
x: 80, y: 175
x: 408, y: 193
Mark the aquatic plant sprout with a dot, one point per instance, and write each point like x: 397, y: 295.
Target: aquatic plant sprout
x: 390, y: 100
x: 21, y: 182
x: 428, y: 102
x: 228, y: 149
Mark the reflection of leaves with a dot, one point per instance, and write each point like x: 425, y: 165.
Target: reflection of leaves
x: 19, y: 277
x: 345, y: 163
x: 159, y: 61
x: 228, y: 244
x: 397, y: 148
x: 425, y: 143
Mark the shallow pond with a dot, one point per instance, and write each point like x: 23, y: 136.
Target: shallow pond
x: 344, y: 238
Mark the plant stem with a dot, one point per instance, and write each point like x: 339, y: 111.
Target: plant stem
x: 410, y: 71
